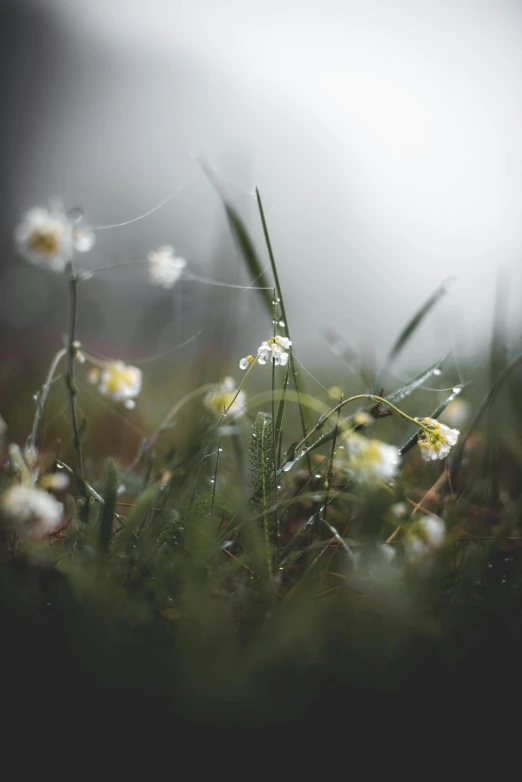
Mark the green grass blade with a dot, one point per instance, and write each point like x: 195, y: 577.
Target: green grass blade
x: 107, y: 509
x: 409, y: 388
x: 243, y: 241
x: 280, y: 414
x: 412, y: 326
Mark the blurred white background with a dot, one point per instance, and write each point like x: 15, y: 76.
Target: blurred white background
x: 385, y: 138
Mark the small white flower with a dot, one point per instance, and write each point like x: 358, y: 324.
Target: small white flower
x: 164, y: 267
x: 399, y: 509
x: 33, y: 512
x: 434, y: 530
x: 220, y: 398
x: 438, y: 442
x: 120, y: 381
x: 424, y: 537
x: 370, y: 461
x: 48, y: 238
x: 275, y: 349
x: 57, y: 481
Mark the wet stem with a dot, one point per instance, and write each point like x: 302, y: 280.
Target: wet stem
x: 44, y: 394
x: 71, y: 357
x: 216, y: 428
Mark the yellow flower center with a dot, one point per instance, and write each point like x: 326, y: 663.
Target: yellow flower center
x: 45, y: 243
x: 118, y: 377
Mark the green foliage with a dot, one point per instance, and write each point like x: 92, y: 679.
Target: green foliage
x: 167, y: 577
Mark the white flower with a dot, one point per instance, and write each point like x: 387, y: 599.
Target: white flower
x: 437, y: 443
x: 399, y: 509
x: 370, y: 461
x: 220, y: 398
x: 120, y: 381
x: 48, y: 238
x: 164, y: 267
x: 424, y: 537
x: 243, y: 364
x: 32, y: 511
x: 274, y: 349
x: 57, y: 481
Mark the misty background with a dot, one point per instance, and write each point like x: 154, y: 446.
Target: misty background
x: 384, y: 138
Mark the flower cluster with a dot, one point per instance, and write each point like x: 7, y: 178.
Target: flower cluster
x: 222, y: 398
x: 437, y: 442
x: 31, y: 511
x: 424, y: 537
x: 164, y: 267
x: 120, y: 381
x: 369, y: 461
x: 274, y: 348
x: 49, y: 237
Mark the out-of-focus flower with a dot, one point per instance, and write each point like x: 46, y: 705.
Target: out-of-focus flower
x: 48, y: 238
x: 369, y: 461
x: 164, y: 267
x: 457, y: 412
x: 219, y: 399
x: 33, y: 513
x: 56, y: 481
x: 274, y: 348
x: 424, y: 537
x: 399, y: 509
x: 336, y: 392
x: 3, y: 427
x: 388, y: 552
x: 363, y: 418
x: 438, y: 442
x: 120, y: 381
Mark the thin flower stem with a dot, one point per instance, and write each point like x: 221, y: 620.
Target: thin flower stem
x: 283, y: 313
x: 274, y: 444
x: 214, y: 482
x: 224, y: 413
x: 372, y: 398
x: 330, y: 470
x: 43, y: 396
x: 71, y: 354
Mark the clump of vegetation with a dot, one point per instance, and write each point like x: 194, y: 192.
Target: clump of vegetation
x: 272, y: 559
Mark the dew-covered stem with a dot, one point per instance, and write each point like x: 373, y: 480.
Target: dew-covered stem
x: 71, y: 357
x: 43, y: 394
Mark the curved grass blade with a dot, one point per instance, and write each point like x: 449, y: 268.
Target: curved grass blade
x: 409, y: 388
x: 279, y: 417
x: 242, y: 239
x: 412, y: 326
x: 107, y: 509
